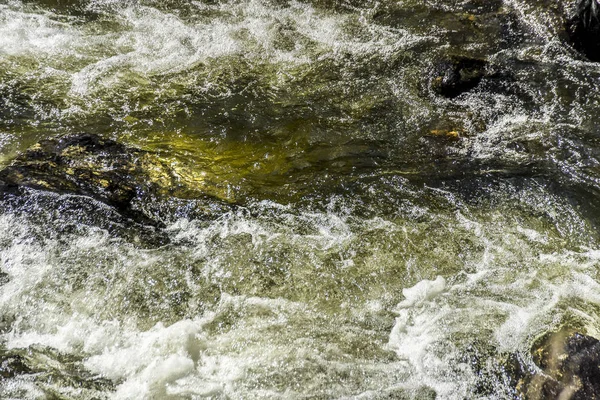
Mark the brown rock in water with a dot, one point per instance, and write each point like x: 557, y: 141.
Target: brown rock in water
x: 570, y: 367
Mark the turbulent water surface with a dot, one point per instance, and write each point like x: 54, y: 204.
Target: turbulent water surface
x: 370, y: 237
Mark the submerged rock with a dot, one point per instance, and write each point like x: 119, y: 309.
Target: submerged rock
x: 458, y: 75
x: 584, y: 29
x: 137, y: 185
x: 76, y: 8
x: 12, y: 365
x: 3, y: 278
x: 84, y: 165
x: 570, y: 367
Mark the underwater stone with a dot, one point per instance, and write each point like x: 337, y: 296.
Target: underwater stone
x: 3, y: 278
x: 47, y: 365
x: 458, y: 75
x: 583, y: 29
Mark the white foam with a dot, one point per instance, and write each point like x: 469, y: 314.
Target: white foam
x: 182, y: 359
x: 512, y: 296
x: 417, y: 331
x: 504, y: 292
x: 31, y: 34
x: 422, y: 292
x: 148, y: 41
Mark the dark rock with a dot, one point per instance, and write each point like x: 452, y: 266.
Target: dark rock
x: 458, y: 75
x: 59, y: 216
x: 84, y: 165
x: 48, y: 366
x: 570, y: 365
x: 583, y: 29
x: 83, y: 9
x: 75, y: 178
x: 3, y: 278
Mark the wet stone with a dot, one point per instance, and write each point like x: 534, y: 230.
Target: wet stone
x: 84, y: 165
x: 583, y: 29
x: 92, y: 181
x: 570, y: 367
x: 46, y: 366
x: 12, y: 365
x: 458, y: 75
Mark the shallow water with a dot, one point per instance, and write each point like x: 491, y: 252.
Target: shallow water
x: 369, y: 238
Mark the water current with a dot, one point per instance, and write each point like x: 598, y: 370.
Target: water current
x: 369, y: 237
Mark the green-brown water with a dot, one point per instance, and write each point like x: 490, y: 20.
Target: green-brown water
x: 378, y: 240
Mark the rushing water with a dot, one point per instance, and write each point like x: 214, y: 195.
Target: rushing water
x: 380, y: 240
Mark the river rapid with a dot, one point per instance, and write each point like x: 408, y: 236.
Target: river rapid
x: 369, y: 237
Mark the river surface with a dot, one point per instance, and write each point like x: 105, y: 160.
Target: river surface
x: 378, y: 240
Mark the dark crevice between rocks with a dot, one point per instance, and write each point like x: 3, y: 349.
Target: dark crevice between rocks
x: 583, y: 29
